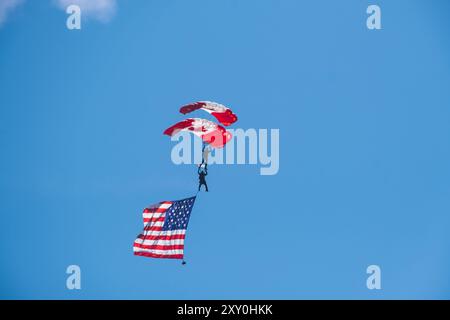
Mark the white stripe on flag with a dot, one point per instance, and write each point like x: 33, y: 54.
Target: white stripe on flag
x: 165, y: 252
x: 155, y: 215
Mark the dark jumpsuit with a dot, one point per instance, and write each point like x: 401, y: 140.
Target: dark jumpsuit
x: 202, y: 173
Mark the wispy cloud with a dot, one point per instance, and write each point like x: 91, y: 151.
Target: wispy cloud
x: 6, y: 6
x: 102, y: 10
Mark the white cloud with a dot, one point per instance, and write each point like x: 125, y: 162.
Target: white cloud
x: 102, y: 10
x: 6, y: 6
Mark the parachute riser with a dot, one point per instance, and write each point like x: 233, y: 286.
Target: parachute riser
x: 205, y: 153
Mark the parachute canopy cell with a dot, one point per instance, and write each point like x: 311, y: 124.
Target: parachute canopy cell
x: 223, y: 114
x: 213, y: 134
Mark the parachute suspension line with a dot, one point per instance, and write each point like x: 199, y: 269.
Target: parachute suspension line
x: 203, y: 152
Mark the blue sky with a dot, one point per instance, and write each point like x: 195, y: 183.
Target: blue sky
x: 364, y: 125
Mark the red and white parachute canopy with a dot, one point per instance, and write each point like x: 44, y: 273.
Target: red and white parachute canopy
x: 219, y: 111
x: 210, y: 132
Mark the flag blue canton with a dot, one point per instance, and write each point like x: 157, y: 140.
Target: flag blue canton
x: 177, y: 216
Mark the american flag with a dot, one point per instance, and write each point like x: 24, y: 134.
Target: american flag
x: 165, y: 227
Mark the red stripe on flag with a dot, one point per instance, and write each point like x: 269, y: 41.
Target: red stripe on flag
x: 164, y: 256
x: 153, y: 228
x: 161, y: 237
x: 159, y: 247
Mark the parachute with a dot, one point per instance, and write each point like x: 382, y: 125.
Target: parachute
x: 223, y: 114
x: 211, y: 133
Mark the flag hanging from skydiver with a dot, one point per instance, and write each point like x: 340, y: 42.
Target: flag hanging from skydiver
x: 165, y: 227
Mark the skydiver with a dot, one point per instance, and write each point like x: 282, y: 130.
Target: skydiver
x: 202, y: 173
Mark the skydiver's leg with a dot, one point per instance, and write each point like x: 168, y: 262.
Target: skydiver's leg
x: 203, y: 184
